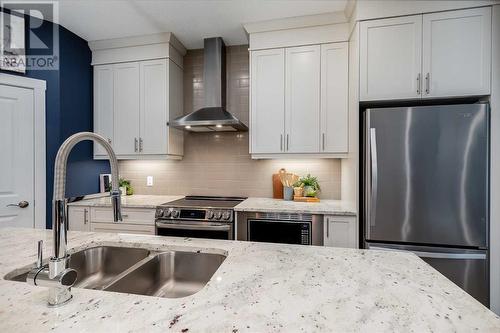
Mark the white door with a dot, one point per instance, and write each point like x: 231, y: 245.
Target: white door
x: 334, y: 97
x: 126, y: 108
x: 267, y: 101
x: 78, y: 218
x: 391, y: 58
x: 302, y: 99
x: 457, y: 53
x: 17, y: 162
x: 340, y: 231
x: 153, y: 138
x: 103, y: 105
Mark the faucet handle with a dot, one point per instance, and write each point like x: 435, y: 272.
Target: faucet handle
x: 39, y: 260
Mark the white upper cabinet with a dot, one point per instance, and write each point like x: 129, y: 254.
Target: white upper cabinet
x: 445, y: 54
x: 126, y: 108
x: 302, y: 99
x: 457, y: 53
x: 153, y: 107
x: 103, y: 105
x: 390, y: 58
x: 267, y: 101
x: 138, y: 89
x: 334, y: 97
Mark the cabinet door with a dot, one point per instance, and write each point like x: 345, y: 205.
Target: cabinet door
x: 123, y: 228
x: 78, y: 218
x: 126, y: 108
x: 341, y: 231
x: 302, y: 99
x: 334, y: 97
x: 103, y: 105
x: 267, y: 101
x: 391, y: 58
x: 457, y: 53
x: 153, y: 86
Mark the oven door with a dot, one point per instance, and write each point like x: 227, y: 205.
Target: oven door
x: 194, y: 229
x: 280, y: 231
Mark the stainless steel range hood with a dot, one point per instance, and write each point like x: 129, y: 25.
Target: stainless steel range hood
x: 213, y: 117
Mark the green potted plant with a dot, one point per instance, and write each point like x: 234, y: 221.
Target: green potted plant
x: 125, y: 187
x: 310, y: 185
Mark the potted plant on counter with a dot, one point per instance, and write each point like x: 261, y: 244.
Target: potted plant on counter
x: 310, y: 185
x: 125, y: 187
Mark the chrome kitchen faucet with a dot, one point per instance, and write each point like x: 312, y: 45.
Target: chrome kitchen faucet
x: 57, y: 276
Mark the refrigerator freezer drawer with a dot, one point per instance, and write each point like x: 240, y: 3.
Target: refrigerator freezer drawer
x: 466, y: 268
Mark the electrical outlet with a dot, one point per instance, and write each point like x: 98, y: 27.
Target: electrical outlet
x: 149, y: 181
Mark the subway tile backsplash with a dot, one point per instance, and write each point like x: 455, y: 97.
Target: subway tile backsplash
x: 219, y: 164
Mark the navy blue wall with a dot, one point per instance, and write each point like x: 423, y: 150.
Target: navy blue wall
x: 68, y: 110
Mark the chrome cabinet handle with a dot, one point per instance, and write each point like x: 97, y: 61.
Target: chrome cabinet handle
x: 281, y: 142
x: 287, y: 145
x: 323, y: 141
x: 140, y: 144
x: 135, y: 144
x: 85, y: 216
x: 327, y: 227
x: 21, y: 204
x: 418, y: 84
x: 427, y: 83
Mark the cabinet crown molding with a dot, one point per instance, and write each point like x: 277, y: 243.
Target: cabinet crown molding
x: 159, y: 38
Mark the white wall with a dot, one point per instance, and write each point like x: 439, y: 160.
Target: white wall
x: 495, y: 166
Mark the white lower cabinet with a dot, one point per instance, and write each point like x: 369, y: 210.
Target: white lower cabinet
x: 78, y: 218
x: 100, y: 219
x: 340, y: 231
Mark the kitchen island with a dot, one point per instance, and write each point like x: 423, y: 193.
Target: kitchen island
x: 259, y: 287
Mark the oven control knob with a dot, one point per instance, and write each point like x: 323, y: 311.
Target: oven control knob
x: 226, y: 215
x: 166, y: 213
x: 210, y: 214
x: 218, y: 215
x: 159, y: 212
x: 175, y: 214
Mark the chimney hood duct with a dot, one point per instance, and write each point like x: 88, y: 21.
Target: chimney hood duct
x: 213, y: 117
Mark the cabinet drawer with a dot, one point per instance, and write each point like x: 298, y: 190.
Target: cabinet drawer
x: 123, y: 228
x: 129, y: 215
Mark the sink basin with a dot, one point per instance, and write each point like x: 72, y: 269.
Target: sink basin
x: 170, y: 274
x: 98, y: 266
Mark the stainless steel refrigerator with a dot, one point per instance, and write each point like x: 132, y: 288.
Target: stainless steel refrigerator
x: 426, y: 189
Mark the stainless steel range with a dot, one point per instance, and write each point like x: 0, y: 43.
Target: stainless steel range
x: 198, y: 217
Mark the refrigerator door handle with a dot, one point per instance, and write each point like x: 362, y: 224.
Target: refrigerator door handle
x: 374, y: 175
x: 436, y: 255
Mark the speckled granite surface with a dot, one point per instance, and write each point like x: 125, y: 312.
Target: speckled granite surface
x: 259, y: 288
x: 132, y: 201
x: 333, y: 207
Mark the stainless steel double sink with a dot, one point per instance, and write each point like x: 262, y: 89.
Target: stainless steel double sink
x: 169, y: 274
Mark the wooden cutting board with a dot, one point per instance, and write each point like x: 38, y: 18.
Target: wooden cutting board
x: 277, y: 187
x: 306, y: 199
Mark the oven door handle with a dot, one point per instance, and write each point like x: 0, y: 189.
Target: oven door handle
x: 210, y: 227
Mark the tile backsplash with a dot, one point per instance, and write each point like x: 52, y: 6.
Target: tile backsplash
x: 219, y: 164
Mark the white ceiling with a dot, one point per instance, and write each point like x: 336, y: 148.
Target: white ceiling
x: 189, y: 20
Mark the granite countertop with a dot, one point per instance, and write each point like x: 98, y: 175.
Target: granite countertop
x: 131, y: 201
x: 260, y: 287
x: 333, y: 207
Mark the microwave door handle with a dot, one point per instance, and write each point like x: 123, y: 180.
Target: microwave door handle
x: 209, y: 227
x: 374, y: 175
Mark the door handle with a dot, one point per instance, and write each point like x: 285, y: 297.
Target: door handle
x: 374, y: 175
x: 427, y: 83
x: 21, y: 204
